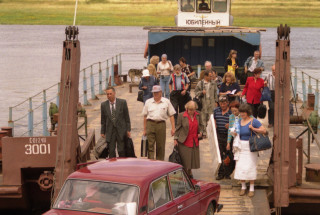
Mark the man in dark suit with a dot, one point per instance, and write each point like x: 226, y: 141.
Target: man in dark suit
x: 115, y: 123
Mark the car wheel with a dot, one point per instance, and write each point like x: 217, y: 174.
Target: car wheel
x: 210, y: 210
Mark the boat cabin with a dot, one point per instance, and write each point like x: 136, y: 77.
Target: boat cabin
x: 204, y: 13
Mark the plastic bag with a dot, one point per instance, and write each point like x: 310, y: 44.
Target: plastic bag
x: 265, y: 95
x: 144, y: 146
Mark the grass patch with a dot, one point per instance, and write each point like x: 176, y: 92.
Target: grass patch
x: 270, y: 13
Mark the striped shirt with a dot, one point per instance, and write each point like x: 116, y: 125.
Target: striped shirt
x: 221, y: 120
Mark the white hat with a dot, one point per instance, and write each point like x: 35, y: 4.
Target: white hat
x: 145, y: 73
x: 156, y: 88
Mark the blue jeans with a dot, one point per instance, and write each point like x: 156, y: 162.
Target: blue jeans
x: 164, y: 83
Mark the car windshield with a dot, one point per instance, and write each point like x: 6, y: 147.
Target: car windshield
x: 98, y: 197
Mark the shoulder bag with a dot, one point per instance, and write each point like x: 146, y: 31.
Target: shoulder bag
x: 175, y: 156
x: 259, y: 142
x: 197, y: 99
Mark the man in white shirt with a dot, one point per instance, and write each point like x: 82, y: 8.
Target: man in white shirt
x: 156, y: 111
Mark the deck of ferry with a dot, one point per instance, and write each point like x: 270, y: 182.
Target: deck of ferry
x: 229, y: 197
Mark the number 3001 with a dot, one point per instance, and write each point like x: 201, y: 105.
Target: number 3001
x: 35, y: 149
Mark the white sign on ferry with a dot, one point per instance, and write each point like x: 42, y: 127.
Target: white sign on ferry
x: 203, y: 13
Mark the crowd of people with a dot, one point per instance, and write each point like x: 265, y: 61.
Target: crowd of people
x: 167, y: 94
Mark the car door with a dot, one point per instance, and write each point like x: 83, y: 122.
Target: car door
x: 159, y: 200
x: 183, y: 194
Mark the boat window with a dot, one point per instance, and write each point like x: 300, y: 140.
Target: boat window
x: 220, y: 6
x: 98, y: 197
x: 187, y: 5
x: 179, y: 184
x: 159, y: 193
x: 203, y: 6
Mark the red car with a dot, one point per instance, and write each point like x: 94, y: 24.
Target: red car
x: 134, y: 187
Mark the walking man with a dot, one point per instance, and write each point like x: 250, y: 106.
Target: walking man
x: 253, y: 63
x: 155, y: 111
x: 178, y: 85
x: 221, y: 116
x: 115, y: 123
x: 206, y: 90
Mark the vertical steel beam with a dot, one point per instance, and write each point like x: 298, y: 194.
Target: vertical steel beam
x: 93, y: 95
x: 112, y: 72
x: 85, y: 98
x: 107, y: 74
x: 309, y: 86
x: 100, y: 80
x: 44, y: 115
x: 30, y: 119
x: 120, y: 64
x: 10, y: 121
x: 304, y: 89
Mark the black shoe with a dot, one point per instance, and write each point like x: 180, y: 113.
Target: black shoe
x: 227, y: 177
x: 219, y: 177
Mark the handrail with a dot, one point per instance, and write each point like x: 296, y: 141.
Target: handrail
x: 99, y: 73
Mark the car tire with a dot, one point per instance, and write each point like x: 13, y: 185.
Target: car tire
x: 210, y: 210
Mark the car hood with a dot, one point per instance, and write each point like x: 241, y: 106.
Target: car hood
x: 67, y: 212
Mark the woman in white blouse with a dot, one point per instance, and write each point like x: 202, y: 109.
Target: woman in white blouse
x: 164, y: 69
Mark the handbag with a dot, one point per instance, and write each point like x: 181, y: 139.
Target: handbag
x: 130, y: 148
x: 259, y: 142
x: 140, y: 96
x: 198, y: 99
x: 101, y: 149
x: 266, y: 94
x: 175, y: 156
x: 262, y: 111
x: 144, y: 146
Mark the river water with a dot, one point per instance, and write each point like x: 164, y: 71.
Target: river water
x: 30, y: 56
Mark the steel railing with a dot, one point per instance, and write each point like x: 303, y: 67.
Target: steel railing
x: 100, y: 75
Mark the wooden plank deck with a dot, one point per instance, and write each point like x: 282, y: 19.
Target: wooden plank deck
x: 233, y: 203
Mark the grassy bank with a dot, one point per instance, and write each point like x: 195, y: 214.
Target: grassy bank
x: 268, y: 13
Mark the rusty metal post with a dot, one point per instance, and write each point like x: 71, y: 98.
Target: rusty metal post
x: 100, y: 80
x: 10, y: 121
x: 120, y: 64
x: 281, y: 125
x: 44, y: 115
x: 93, y: 95
x: 107, y: 75
x: 68, y: 144
x: 30, y: 119
x: 85, y: 92
x: 112, y: 73
x: 58, y: 95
